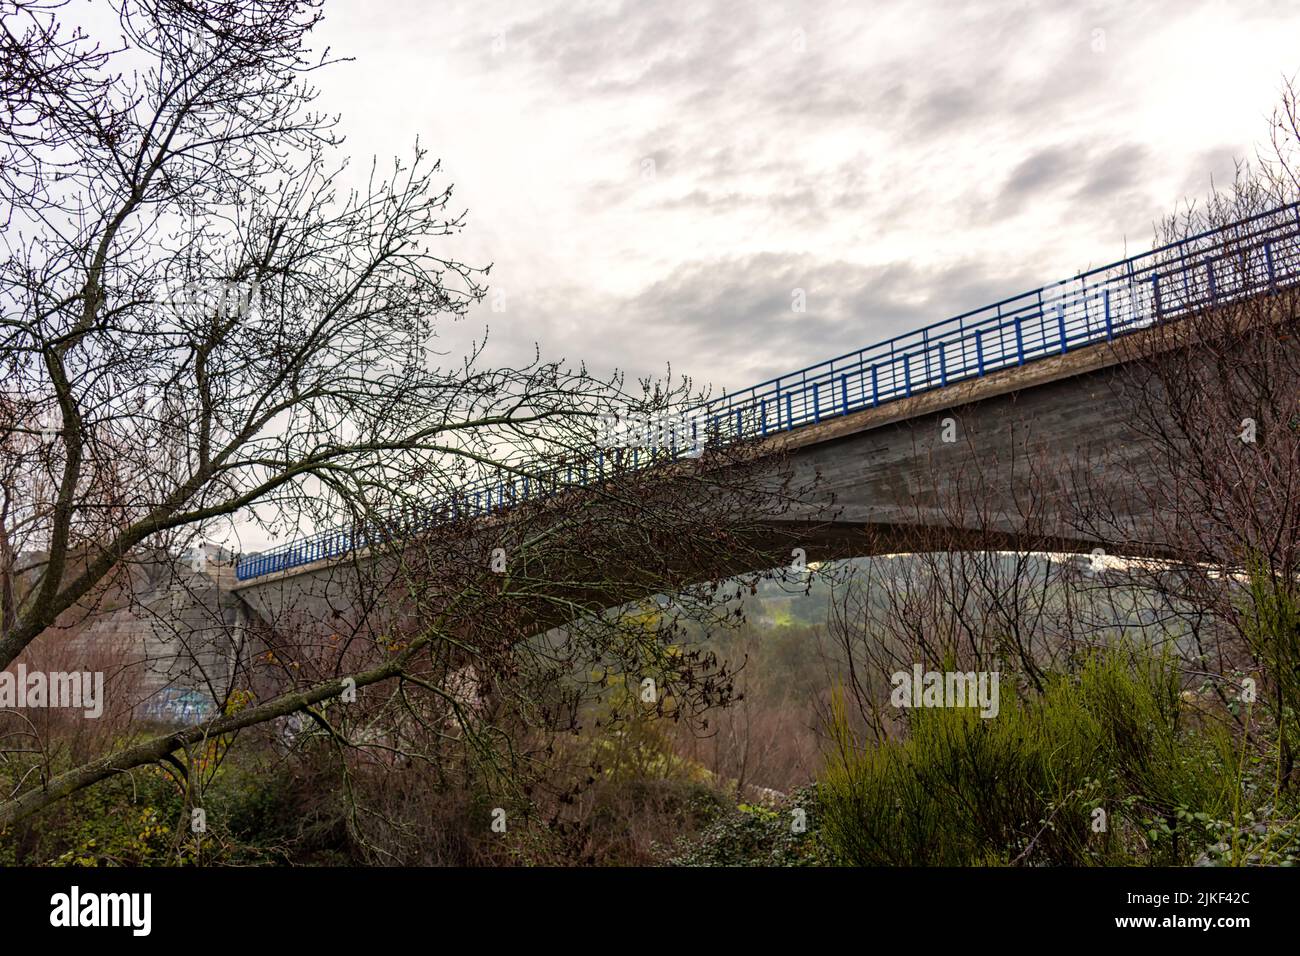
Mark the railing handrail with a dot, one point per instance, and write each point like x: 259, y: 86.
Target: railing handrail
x: 1142, y: 256
x: 1073, y: 323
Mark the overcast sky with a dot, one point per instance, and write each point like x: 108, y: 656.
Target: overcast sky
x: 652, y: 180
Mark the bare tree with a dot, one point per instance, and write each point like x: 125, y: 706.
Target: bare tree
x: 1215, y: 396
x: 206, y: 328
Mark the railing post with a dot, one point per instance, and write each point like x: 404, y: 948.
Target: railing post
x: 875, y: 386
x: 740, y: 425
x: 1155, y: 291
x: 1020, y: 343
x: 789, y: 411
x: 1209, y: 268
x: 1042, y: 318
x: 1060, y: 324
x: 762, y: 416
x: 817, y: 402
x: 943, y: 366
x: 979, y: 352
x: 1268, y: 259
x: 907, y: 375
x: 844, y: 392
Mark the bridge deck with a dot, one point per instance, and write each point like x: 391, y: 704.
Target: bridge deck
x: 1217, y: 267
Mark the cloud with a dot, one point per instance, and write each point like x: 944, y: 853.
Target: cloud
x: 653, y: 179
x: 736, y: 313
x: 1082, y: 174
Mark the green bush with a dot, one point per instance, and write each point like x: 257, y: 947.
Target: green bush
x: 751, y: 835
x: 142, y: 819
x: 1022, y: 787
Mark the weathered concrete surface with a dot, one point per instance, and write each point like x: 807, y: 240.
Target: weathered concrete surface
x: 1053, y: 456
x: 170, y: 635
x: 1026, y: 442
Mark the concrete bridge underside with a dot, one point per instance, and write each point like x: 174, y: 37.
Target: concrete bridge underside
x: 996, y: 463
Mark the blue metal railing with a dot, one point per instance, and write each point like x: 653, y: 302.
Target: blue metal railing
x: 1256, y: 255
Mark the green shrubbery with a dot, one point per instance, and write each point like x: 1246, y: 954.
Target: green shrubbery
x: 142, y: 819
x: 1026, y: 786
x: 753, y: 835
